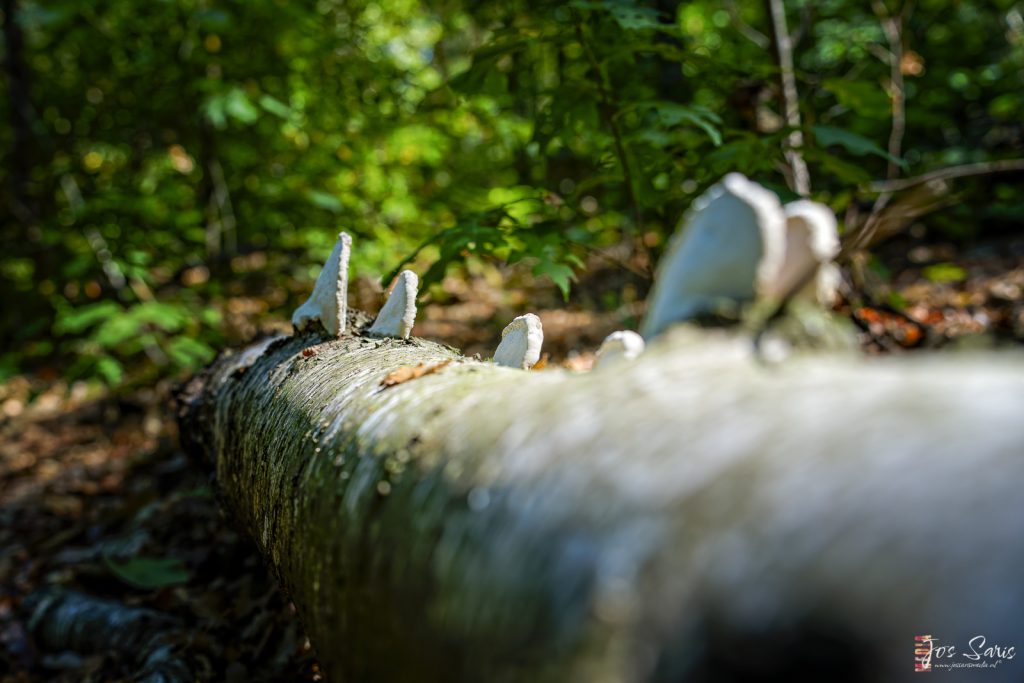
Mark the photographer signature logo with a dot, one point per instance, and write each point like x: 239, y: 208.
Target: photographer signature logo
x: 979, y: 654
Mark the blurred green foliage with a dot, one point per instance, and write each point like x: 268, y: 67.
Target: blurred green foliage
x: 147, y: 147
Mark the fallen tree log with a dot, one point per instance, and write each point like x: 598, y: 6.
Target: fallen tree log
x: 696, y: 514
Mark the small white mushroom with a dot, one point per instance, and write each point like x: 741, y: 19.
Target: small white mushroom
x: 812, y: 241
x: 328, y: 301
x: 399, y: 313
x: 729, y: 245
x: 619, y: 346
x: 827, y: 283
x: 520, y: 343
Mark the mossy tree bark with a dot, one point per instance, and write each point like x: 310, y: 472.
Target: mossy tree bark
x: 692, y: 515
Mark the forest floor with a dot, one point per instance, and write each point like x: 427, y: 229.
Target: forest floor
x: 96, y: 496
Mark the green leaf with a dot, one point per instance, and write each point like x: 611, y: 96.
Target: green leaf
x: 167, y: 317
x: 275, y: 106
x: 238, y: 106
x: 876, y: 266
x: 851, y: 142
x: 110, y: 370
x: 942, y: 273
x: 9, y: 366
x: 849, y: 173
x: 117, y: 330
x: 626, y: 14
x: 897, y: 301
x: 189, y: 353
x: 213, y: 19
x: 76, y: 320
x: 479, y: 233
x: 149, y: 573
x: 638, y: 18
x: 210, y: 316
x: 671, y: 114
x: 864, y: 98
x: 559, y: 273
x: 748, y: 152
x: 324, y: 200
x: 656, y: 138
x: 214, y: 110
x: 20, y: 270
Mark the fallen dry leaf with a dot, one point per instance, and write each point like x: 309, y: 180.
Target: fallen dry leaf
x: 407, y: 373
x: 902, y: 328
x: 580, y: 362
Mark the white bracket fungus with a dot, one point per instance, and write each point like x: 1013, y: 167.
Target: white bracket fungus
x: 826, y: 284
x: 520, y: 343
x: 738, y: 243
x: 619, y: 346
x: 812, y: 241
x: 328, y: 301
x: 399, y: 313
x: 730, y: 245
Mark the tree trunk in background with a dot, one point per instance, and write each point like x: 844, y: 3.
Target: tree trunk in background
x: 20, y: 103
x: 783, y: 46
x: 694, y: 515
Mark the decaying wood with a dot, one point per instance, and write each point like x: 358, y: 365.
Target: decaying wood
x: 695, y: 514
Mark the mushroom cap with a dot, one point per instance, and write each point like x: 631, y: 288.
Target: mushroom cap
x: 619, y: 346
x: 398, y: 315
x: 728, y: 246
x: 520, y: 343
x: 328, y: 301
x: 812, y: 240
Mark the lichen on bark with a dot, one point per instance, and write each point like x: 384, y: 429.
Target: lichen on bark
x: 484, y: 523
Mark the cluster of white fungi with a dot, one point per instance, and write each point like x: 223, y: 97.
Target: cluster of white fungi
x: 736, y: 244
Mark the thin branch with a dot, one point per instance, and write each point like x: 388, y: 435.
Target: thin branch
x: 618, y: 263
x: 879, y: 51
x: 892, y: 26
x: 879, y: 217
x: 980, y: 168
x: 225, y: 210
x: 790, y: 97
x: 112, y: 269
x: 108, y: 264
x: 888, y: 217
x: 748, y: 31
